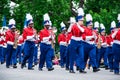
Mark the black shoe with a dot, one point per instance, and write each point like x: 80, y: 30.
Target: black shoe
x: 40, y: 69
x: 82, y: 71
x: 7, y: 67
x: 2, y: 62
x: 30, y: 68
x: 71, y: 71
x: 14, y: 66
x: 67, y: 69
x: 33, y: 65
x: 25, y: 65
x: 96, y: 70
x: 22, y: 66
x: 50, y: 69
x: 77, y: 68
x: 106, y: 67
x: 111, y: 70
x: 102, y: 66
x: 116, y: 73
x: 62, y: 66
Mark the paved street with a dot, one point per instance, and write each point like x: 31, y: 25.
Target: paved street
x: 57, y: 74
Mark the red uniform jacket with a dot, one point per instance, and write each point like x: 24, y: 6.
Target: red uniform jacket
x: 69, y: 35
x: 116, y: 37
x: 62, y: 39
x: 10, y: 37
x: 45, y: 36
x: 109, y: 40
x: 104, y: 41
x: 20, y: 40
x: 77, y: 32
x: 28, y: 34
x: 88, y: 34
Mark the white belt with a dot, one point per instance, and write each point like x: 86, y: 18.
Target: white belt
x: 19, y: 44
x: 0, y: 44
x: 90, y: 42
x: 48, y: 42
x: 116, y: 41
x: 104, y: 45
x: 9, y: 42
x: 63, y: 43
x: 76, y: 38
x: 5, y: 46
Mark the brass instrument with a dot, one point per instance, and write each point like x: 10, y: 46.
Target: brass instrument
x: 54, y: 29
x: 99, y: 42
x: 16, y: 39
x: 35, y: 34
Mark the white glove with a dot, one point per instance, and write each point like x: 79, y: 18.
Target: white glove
x: 104, y: 44
x: 88, y: 38
x: 46, y: 39
x: 31, y: 38
x: 114, y: 34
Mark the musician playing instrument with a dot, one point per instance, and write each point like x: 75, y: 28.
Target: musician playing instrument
x: 89, y: 37
x: 102, y: 53
x: 116, y: 46
x: 45, y: 45
x: 3, y: 45
x: 10, y: 38
x: 29, y: 37
x: 62, y: 40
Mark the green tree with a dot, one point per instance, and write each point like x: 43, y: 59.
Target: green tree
x: 4, y: 9
x: 104, y: 11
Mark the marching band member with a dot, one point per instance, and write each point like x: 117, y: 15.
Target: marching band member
x: 45, y: 45
x: 89, y: 43
x: 96, y: 31
x: 29, y: 37
x: 76, y: 47
x: 116, y: 47
x: 0, y: 48
x: 103, y: 53
x: 4, y: 45
x: 109, y: 46
x: 62, y: 40
x: 69, y: 35
x: 11, y: 36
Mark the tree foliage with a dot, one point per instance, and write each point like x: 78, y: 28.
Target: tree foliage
x: 103, y: 11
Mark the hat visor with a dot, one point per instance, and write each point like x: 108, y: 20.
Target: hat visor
x: 103, y: 31
x: 82, y: 19
x: 31, y: 22
x: 47, y: 24
x: 13, y: 27
x: 64, y: 29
